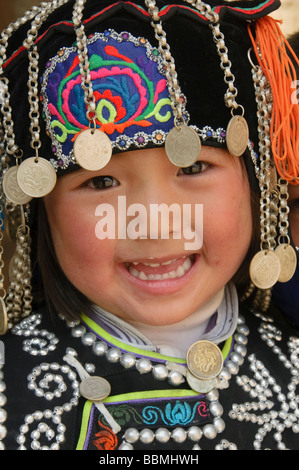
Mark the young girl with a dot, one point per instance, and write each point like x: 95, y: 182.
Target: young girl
x: 139, y: 151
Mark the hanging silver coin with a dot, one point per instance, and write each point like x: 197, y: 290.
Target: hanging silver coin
x: 237, y: 136
x: 95, y: 388
x: 288, y: 261
x: 265, y: 269
x: 11, y: 187
x: 36, y: 177
x: 182, y: 146
x: 3, y: 317
x: 92, y: 149
x: 204, y: 360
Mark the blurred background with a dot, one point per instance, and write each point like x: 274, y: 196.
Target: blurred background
x: 289, y: 12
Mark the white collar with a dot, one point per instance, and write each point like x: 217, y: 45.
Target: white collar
x: 215, y: 321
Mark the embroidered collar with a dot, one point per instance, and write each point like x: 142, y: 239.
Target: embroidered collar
x: 216, y: 328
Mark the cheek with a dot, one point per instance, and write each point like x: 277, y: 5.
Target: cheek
x: 80, y: 253
x: 228, y: 225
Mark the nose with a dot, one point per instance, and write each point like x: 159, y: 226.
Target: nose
x: 153, y: 210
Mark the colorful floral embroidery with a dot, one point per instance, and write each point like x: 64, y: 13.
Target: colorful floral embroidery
x: 181, y: 413
x: 106, y: 439
x: 124, y: 414
x: 129, y: 87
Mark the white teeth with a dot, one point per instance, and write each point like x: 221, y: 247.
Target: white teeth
x: 156, y: 265
x: 179, y: 272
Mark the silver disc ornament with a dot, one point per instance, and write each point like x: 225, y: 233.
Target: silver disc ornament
x: 36, y: 177
x: 288, y: 261
x: 182, y: 146
x: 92, y: 149
x: 11, y: 187
x: 204, y: 360
x: 95, y: 388
x: 237, y: 136
x: 265, y: 269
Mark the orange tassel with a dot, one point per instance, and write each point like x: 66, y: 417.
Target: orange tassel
x: 271, y: 49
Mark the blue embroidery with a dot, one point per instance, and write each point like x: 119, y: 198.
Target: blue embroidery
x: 180, y: 413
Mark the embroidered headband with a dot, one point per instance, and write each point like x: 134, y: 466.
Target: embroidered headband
x: 139, y: 48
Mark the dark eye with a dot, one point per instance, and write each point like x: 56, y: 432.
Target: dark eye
x: 197, y: 167
x: 102, y: 182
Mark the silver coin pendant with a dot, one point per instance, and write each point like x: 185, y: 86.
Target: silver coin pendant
x: 92, y: 149
x: 204, y: 360
x: 95, y: 388
x: 237, y: 136
x: 265, y: 269
x: 11, y: 187
x: 288, y: 261
x: 182, y: 146
x: 36, y: 177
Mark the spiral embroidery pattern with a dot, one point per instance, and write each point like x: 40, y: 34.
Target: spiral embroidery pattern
x: 180, y: 413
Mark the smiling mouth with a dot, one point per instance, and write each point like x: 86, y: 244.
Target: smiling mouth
x: 158, y: 271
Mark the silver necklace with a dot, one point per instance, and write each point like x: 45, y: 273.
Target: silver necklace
x: 175, y: 374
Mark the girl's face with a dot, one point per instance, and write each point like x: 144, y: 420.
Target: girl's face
x: 294, y: 212
x: 152, y: 280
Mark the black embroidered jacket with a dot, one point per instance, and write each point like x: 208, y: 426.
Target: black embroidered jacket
x: 254, y: 405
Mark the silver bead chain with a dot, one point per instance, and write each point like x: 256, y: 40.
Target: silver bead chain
x: 161, y: 371
x: 263, y: 386
x: 175, y: 376
x: 205, y: 9
x: 33, y: 70
x: 53, y: 373
x: 264, y: 110
x: 225, y: 63
x: 86, y: 83
x: 8, y: 124
x: 38, y: 15
x: 19, y: 296
x: 179, y: 434
x: 284, y: 211
x: 170, y: 71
